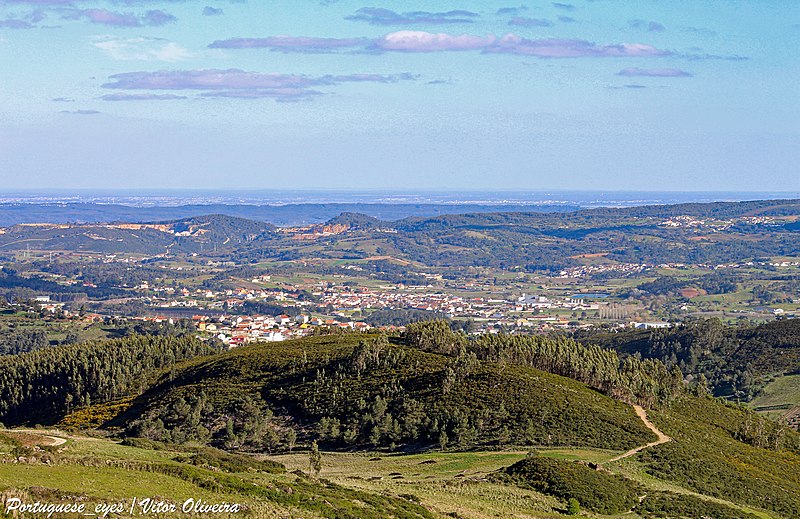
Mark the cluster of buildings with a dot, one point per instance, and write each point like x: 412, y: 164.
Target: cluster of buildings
x: 588, y: 271
x: 714, y: 224
x: 685, y: 221
x: 627, y: 269
x: 236, y: 330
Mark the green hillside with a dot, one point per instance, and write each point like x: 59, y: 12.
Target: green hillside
x: 779, y: 396
x: 728, y: 452
x: 429, y: 426
x: 356, y: 391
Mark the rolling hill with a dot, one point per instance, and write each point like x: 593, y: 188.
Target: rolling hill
x: 685, y: 233
x: 415, y: 407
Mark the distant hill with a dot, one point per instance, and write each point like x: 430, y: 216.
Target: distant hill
x: 530, y: 241
x: 282, y: 215
x: 356, y: 221
x: 216, y: 228
x: 192, y: 234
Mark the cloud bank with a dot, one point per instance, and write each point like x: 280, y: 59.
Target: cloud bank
x: 422, y: 41
x: 235, y: 83
x: 653, y: 72
x: 381, y: 16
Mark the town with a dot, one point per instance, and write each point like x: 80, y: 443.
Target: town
x: 267, y: 308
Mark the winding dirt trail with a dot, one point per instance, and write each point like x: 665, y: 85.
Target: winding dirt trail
x: 662, y: 438
x: 55, y: 441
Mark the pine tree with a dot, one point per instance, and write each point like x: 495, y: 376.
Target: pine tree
x: 291, y: 439
x: 315, y: 459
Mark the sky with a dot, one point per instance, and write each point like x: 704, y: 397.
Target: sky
x: 464, y: 95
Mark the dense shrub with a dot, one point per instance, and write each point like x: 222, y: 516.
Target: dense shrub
x: 595, y: 490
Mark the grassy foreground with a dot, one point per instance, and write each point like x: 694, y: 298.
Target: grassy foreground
x: 350, y: 485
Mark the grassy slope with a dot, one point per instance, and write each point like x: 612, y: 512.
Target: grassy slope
x: 102, y: 471
x: 703, y: 460
x: 704, y: 457
x: 446, y: 482
x: 783, y: 390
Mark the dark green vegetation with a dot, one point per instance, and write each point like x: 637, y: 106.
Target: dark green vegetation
x: 361, y: 391
x: 44, y: 385
x: 599, y: 491
x: 21, y: 341
x: 633, y: 235
x: 402, y: 317
x: 735, y: 360
x: 13, y: 285
x: 595, y: 490
x: 716, y: 283
x: 645, y: 382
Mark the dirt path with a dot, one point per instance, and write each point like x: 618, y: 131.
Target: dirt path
x: 389, y: 258
x: 55, y: 441
x: 662, y: 438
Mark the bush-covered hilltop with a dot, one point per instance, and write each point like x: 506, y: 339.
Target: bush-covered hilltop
x: 646, y: 382
x: 361, y: 391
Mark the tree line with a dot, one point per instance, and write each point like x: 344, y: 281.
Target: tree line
x: 43, y: 385
x: 645, y: 382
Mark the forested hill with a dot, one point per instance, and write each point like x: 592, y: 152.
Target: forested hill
x: 349, y: 390
x: 736, y: 360
x: 607, y: 215
x: 691, y: 234
x: 44, y: 385
x: 282, y: 215
x: 189, y: 235
x: 357, y: 391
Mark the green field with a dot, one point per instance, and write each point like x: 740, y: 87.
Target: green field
x: 783, y: 391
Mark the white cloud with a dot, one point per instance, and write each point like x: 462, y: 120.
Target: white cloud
x: 141, y: 49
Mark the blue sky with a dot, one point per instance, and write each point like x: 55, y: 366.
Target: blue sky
x: 602, y: 94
